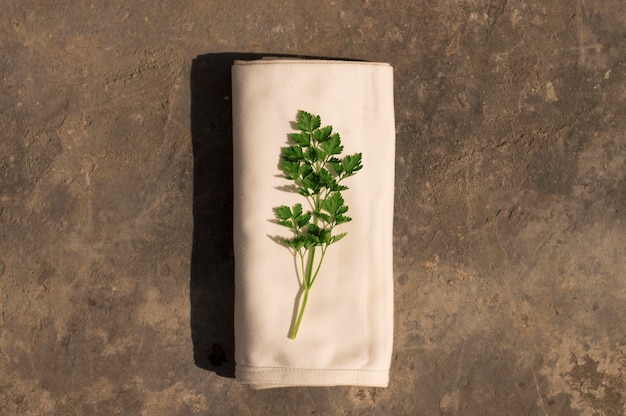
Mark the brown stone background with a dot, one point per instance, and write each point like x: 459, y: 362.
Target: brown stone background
x: 510, y: 241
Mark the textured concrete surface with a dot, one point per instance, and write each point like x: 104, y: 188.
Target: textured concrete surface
x: 510, y: 234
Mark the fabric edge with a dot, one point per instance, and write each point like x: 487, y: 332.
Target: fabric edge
x: 278, y: 61
x: 272, y: 377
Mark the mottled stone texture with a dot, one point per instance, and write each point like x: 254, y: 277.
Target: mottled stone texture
x: 115, y: 205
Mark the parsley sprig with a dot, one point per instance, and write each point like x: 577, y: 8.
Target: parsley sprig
x: 313, y: 163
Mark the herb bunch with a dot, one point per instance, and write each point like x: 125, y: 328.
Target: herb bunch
x: 313, y: 163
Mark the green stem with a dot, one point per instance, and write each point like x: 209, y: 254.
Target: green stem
x: 306, y: 284
x: 294, y: 330
x: 319, y: 265
x: 309, y: 269
x: 301, y: 264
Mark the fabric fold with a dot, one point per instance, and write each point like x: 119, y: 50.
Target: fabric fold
x: 346, y: 333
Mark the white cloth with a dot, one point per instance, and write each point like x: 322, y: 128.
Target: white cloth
x: 346, y: 334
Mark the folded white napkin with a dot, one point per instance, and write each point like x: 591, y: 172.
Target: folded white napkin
x: 346, y: 333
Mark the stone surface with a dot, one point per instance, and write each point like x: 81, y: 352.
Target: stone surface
x: 510, y: 234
